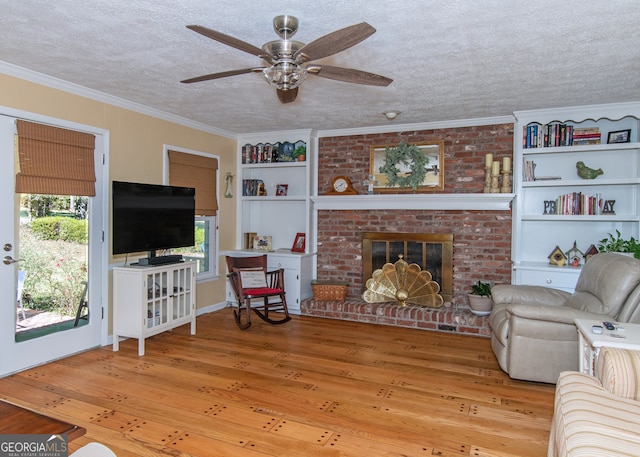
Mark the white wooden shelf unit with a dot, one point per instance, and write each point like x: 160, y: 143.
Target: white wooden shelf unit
x: 277, y: 216
x: 536, y: 234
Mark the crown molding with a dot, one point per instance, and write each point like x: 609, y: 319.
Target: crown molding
x: 396, y: 128
x: 75, y: 89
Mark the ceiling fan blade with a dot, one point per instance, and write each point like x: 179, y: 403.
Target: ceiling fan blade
x: 229, y: 41
x: 334, y: 42
x: 222, y: 74
x: 287, y: 96
x: 349, y: 75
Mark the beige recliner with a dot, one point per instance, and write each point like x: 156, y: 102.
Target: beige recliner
x: 532, y: 330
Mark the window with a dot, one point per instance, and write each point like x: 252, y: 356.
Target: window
x: 199, y: 170
x: 204, y: 252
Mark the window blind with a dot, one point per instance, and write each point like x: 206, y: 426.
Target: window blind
x: 199, y: 172
x: 54, y: 161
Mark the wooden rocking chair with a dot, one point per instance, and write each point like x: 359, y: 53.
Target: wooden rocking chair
x: 257, y: 289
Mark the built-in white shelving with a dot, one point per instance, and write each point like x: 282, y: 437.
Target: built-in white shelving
x: 536, y: 232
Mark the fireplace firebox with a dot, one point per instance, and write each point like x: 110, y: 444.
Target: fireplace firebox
x: 432, y: 252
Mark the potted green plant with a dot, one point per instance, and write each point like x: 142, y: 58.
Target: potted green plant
x: 615, y: 243
x: 300, y: 153
x: 480, y: 299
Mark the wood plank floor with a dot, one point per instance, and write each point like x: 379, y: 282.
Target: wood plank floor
x: 310, y: 387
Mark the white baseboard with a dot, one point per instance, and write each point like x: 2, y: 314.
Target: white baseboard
x: 211, y: 308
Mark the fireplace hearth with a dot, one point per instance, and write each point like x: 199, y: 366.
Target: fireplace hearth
x: 432, y: 252
x: 449, y: 318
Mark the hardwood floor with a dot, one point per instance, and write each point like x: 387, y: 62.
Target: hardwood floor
x: 310, y: 387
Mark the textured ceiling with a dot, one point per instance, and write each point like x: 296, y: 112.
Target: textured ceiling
x: 456, y: 59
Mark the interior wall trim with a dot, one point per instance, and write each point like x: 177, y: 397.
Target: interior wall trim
x: 510, y: 119
x: 66, y: 86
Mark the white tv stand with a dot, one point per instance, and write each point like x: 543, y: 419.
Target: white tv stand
x: 148, y: 300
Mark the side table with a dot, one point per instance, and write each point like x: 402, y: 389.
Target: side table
x: 625, y: 336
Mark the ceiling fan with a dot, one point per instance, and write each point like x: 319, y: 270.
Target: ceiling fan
x: 290, y: 61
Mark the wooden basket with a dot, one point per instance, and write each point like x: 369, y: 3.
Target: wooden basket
x: 329, y: 290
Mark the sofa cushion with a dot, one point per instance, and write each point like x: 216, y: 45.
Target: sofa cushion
x: 612, y: 279
x: 530, y: 295
x: 584, y: 301
x: 590, y: 421
x: 619, y: 372
x: 253, y: 279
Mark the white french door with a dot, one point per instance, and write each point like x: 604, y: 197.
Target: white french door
x: 18, y: 355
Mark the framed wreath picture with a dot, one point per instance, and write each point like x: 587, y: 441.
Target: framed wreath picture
x: 408, y: 167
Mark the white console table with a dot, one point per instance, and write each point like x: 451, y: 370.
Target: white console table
x: 148, y: 300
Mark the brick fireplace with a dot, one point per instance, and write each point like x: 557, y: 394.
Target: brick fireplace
x: 481, y: 237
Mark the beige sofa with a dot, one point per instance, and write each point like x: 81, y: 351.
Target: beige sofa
x: 598, y: 416
x: 532, y: 331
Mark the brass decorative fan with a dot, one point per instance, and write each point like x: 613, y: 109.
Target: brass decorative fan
x: 289, y: 61
x: 404, y: 283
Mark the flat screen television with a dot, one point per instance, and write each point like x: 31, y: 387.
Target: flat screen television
x: 151, y: 217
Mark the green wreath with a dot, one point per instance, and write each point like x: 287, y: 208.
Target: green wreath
x: 408, y: 155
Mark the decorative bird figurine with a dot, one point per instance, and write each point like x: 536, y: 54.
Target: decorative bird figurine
x: 588, y: 173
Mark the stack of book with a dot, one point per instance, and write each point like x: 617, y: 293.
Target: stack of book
x: 252, y: 187
x: 586, y: 135
x: 557, y: 134
x: 260, y: 153
x: 529, y: 171
x: 577, y: 203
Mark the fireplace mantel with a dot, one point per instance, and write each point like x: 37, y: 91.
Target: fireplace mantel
x: 452, y: 202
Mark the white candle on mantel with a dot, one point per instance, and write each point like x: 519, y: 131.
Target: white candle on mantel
x: 496, y: 168
x: 506, y: 163
x: 488, y: 160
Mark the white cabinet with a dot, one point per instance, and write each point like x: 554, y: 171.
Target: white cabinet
x: 151, y: 300
x: 546, y: 212
x: 279, y: 216
x: 298, y: 273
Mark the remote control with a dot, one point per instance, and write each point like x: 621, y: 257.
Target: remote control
x: 609, y: 326
x: 597, y: 329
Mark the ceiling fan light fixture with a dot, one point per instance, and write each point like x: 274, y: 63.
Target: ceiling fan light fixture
x: 290, y: 60
x: 391, y: 115
x: 285, y: 26
x: 285, y: 75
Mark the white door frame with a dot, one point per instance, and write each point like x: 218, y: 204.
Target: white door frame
x: 14, y: 356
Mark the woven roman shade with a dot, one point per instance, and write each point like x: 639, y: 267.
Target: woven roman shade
x: 54, y: 161
x: 199, y: 172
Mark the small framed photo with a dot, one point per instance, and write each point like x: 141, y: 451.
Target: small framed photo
x: 262, y: 243
x: 620, y: 136
x: 281, y: 190
x: 299, y: 243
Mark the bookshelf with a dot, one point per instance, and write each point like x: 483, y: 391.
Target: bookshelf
x: 558, y: 201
